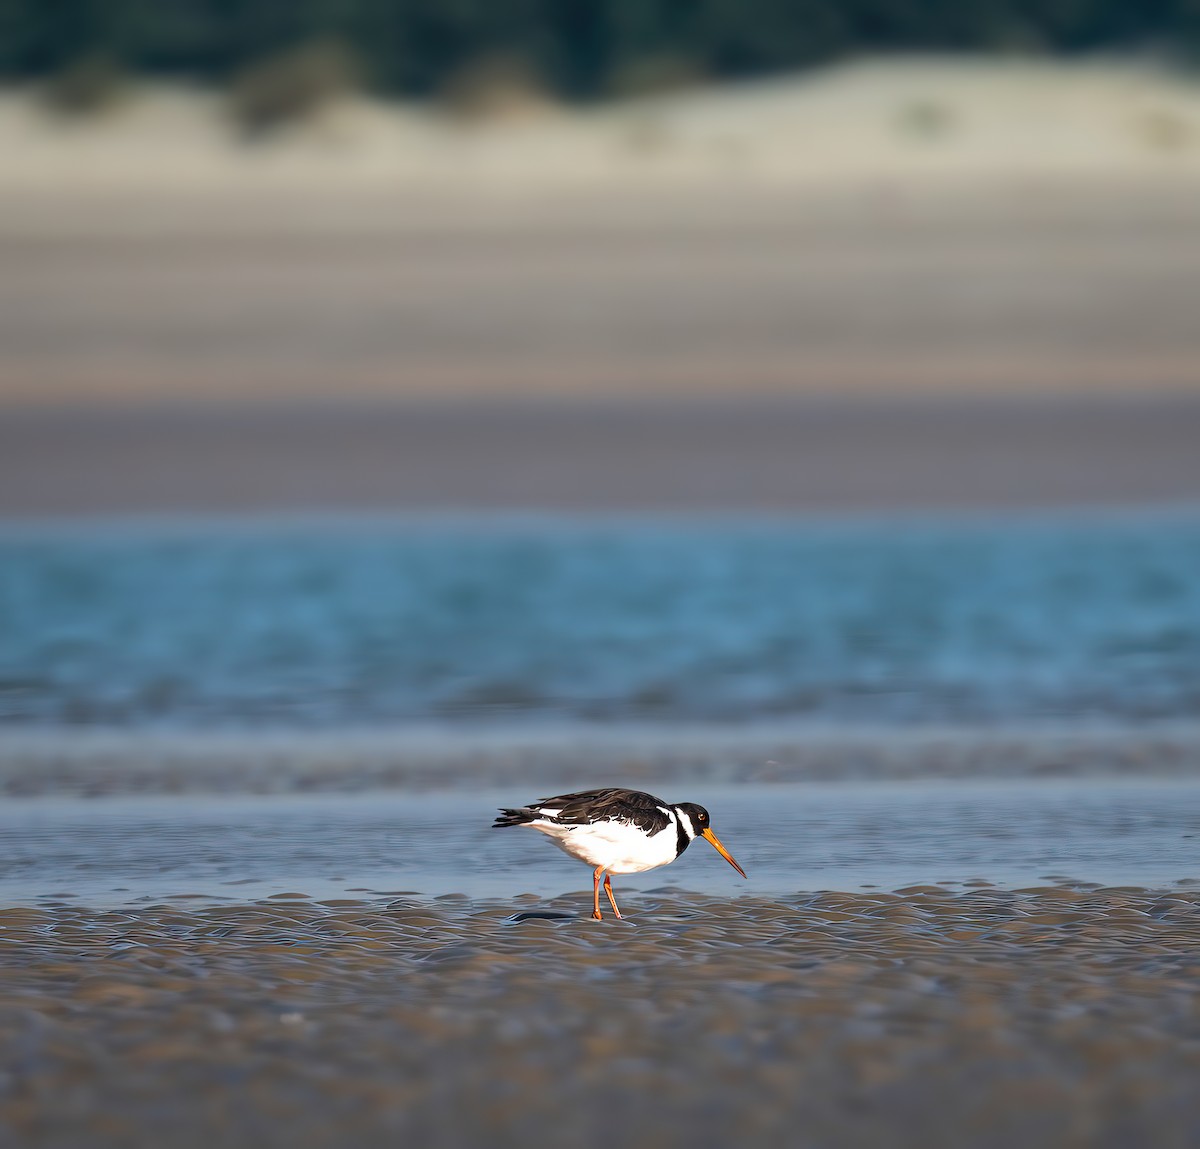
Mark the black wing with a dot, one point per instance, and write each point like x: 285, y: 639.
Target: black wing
x: 609, y: 805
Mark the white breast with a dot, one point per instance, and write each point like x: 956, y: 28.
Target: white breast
x: 618, y: 847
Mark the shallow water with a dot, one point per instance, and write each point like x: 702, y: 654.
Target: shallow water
x: 787, y: 837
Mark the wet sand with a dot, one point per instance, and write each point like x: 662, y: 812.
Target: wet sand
x: 1059, y: 1016
x: 801, y: 456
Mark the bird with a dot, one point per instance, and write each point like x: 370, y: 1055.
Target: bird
x: 616, y: 831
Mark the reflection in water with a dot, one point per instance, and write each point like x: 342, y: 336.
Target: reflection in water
x: 789, y: 838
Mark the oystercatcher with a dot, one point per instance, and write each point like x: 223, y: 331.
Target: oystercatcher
x: 617, y: 832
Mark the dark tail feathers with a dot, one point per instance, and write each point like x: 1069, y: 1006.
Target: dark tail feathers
x: 521, y: 817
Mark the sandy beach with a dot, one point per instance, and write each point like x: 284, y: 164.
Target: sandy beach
x: 1072, y: 287
x: 393, y: 310
x: 922, y: 283
x: 804, y: 236
x: 1051, y: 1016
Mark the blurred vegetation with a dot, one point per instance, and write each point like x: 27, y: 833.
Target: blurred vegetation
x: 489, y: 87
x: 574, y: 49
x: 85, y: 86
x: 290, y: 85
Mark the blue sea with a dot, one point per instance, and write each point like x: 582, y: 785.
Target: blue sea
x: 381, y: 623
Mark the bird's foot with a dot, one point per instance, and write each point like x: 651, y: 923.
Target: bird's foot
x: 597, y: 915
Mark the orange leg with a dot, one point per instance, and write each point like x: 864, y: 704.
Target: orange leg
x: 596, y: 893
x: 608, y: 891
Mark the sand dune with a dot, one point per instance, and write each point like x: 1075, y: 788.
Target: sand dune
x: 910, y: 119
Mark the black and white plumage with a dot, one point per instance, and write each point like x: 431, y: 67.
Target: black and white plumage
x: 617, y: 831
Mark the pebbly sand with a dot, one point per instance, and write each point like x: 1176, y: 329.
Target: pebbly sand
x: 1055, y: 1016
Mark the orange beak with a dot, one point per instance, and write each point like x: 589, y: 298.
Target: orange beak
x: 710, y: 837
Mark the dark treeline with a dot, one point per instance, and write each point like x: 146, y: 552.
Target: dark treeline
x: 577, y: 48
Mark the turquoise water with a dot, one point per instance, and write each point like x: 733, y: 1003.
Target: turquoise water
x: 305, y: 624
